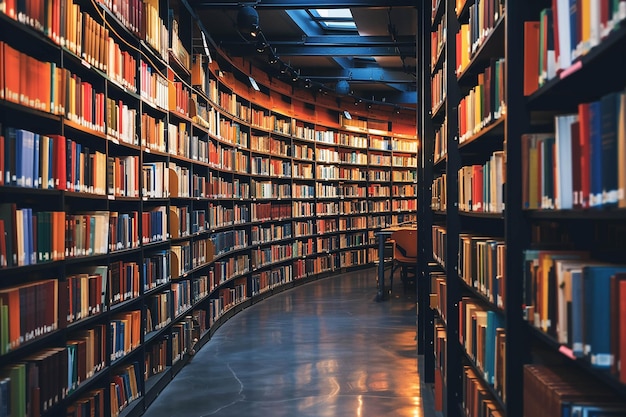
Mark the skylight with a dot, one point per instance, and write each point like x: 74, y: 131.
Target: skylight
x: 333, y: 19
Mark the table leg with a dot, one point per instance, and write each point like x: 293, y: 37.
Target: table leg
x: 380, y: 295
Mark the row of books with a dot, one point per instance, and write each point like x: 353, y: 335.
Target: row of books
x: 577, y: 300
x: 353, y: 223
x: 562, y: 35
x: 125, y: 333
x: 481, y: 187
x: 121, y: 122
x: 303, y: 191
x: 485, y: 102
x: 124, y: 282
x: 438, y: 193
x: 353, y: 257
x: 262, y: 256
x: 227, y: 299
x: 438, y: 88
x: 558, y: 390
x: 271, y: 211
x: 482, y: 266
x: 579, y: 165
x: 483, y: 16
x: 225, y: 270
x: 440, y: 243
x: 190, y: 255
x: 437, y: 41
x: 265, y: 234
x: 153, y: 86
x: 271, y: 167
x: 124, y: 388
x: 158, y: 310
x: 270, y: 145
x: 482, y: 334
x: 352, y: 240
x: 220, y: 216
x: 266, y: 280
x: 477, y: 399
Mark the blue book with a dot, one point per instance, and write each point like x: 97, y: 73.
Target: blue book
x: 36, y: 162
x: 494, y: 321
x: 28, y: 158
x: 5, y: 393
x: 597, y: 313
x: 609, y: 105
x: 50, y: 183
x: 595, y: 147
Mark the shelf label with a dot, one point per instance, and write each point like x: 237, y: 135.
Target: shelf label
x: 567, y: 352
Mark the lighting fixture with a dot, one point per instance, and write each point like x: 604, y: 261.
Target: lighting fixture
x: 342, y: 87
x: 272, y: 57
x: 248, y: 22
x: 347, y: 114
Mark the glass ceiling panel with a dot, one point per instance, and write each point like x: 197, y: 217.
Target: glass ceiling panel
x: 333, y: 18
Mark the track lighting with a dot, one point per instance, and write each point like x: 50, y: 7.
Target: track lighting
x: 261, y: 45
x: 294, y: 75
x: 248, y: 22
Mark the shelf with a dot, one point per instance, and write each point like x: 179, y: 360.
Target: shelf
x: 439, y: 112
x: 589, y: 214
x: 438, y: 63
x: 177, y: 65
x: 482, y: 297
x: 602, y: 375
x: 482, y: 215
x: 30, y: 32
x: 80, y: 128
x: 492, y: 130
x: 579, y: 83
x: 15, y: 107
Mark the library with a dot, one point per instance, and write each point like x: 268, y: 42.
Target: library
x: 252, y: 199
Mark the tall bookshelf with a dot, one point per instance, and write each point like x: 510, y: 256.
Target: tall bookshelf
x: 157, y: 194
x: 508, y: 245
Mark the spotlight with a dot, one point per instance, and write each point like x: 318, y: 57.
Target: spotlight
x: 283, y: 68
x: 342, y: 87
x: 248, y: 22
x: 261, y: 44
x: 272, y: 58
x: 295, y: 75
x: 308, y: 83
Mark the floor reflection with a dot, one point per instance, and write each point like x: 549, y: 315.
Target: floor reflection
x: 324, y: 349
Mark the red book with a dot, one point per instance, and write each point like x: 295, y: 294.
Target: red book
x: 59, y: 162
x: 531, y: 57
x: 2, y: 71
x: 585, y: 154
x: 477, y: 188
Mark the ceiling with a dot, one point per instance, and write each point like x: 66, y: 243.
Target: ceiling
x: 378, y: 60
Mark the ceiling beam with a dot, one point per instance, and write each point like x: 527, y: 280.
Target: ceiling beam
x: 362, y: 75
x: 302, y: 4
x: 286, y: 50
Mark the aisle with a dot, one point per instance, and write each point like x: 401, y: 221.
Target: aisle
x: 323, y: 349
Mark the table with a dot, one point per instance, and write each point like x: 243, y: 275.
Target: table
x: 383, y: 235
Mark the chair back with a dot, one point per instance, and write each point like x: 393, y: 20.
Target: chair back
x: 406, y: 242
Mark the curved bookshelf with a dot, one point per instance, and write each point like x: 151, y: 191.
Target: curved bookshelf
x: 175, y: 154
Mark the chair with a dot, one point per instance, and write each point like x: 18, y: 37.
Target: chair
x: 404, y: 255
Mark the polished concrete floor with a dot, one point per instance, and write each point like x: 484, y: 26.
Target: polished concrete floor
x: 323, y: 349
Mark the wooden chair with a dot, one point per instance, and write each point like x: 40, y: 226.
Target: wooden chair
x: 404, y: 255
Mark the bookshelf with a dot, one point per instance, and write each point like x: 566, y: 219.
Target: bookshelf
x: 148, y: 195
x: 508, y: 245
